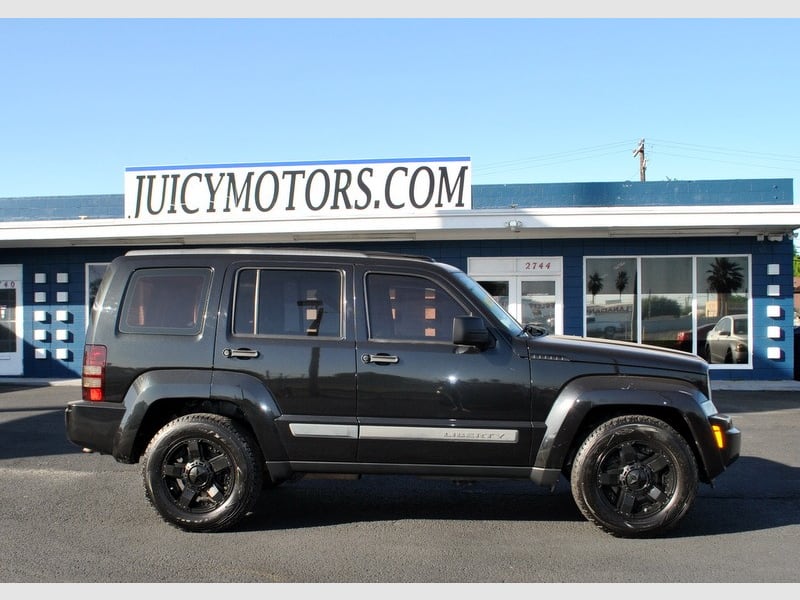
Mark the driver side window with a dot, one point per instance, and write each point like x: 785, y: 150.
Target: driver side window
x: 402, y: 307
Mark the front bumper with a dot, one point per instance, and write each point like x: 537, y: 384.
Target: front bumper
x: 93, y: 425
x: 728, y: 438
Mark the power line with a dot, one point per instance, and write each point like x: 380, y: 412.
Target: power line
x: 772, y: 156
x: 656, y: 147
x: 553, y: 158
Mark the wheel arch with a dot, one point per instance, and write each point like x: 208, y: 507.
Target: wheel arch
x: 588, y: 401
x: 157, y: 397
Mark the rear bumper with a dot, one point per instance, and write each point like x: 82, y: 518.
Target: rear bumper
x: 93, y: 425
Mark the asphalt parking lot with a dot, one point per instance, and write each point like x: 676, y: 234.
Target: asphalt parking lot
x: 74, y: 517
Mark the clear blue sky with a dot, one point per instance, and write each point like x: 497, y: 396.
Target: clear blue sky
x: 528, y: 100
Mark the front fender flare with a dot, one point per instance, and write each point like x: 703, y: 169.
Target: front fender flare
x: 582, y: 395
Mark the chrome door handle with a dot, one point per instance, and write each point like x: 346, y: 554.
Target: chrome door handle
x: 379, y: 359
x: 239, y: 353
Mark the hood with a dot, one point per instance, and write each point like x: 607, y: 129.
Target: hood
x: 614, y: 352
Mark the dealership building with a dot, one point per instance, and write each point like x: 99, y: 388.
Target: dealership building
x: 700, y: 266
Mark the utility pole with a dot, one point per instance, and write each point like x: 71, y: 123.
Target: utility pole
x: 642, y: 160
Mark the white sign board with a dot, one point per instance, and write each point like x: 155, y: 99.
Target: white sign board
x: 324, y: 190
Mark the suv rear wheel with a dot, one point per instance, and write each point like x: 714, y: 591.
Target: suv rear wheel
x: 634, y: 476
x: 201, y: 473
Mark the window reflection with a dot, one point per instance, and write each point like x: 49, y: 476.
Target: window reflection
x: 611, y: 298
x: 666, y: 300
x: 680, y: 302
x: 722, y: 284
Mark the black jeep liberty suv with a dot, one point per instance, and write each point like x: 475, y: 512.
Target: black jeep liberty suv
x: 225, y: 371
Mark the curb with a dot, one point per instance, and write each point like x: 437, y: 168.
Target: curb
x: 34, y: 382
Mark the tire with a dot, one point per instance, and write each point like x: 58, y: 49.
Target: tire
x: 634, y: 476
x: 201, y: 473
x: 708, y: 354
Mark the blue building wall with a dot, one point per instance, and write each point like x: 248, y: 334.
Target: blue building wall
x: 573, y: 252
x: 52, y: 261
x: 523, y: 195
x: 629, y: 193
x: 58, y: 208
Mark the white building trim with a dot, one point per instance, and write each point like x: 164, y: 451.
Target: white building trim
x: 766, y: 222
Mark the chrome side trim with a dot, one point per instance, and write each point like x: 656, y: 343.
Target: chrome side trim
x: 439, y: 434
x: 323, y: 430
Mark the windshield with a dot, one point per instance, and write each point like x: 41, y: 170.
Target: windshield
x: 486, y: 300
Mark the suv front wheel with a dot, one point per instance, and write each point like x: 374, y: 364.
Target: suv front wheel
x: 201, y: 473
x: 634, y: 476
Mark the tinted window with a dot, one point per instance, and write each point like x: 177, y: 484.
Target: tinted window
x: 409, y: 308
x: 166, y: 301
x: 288, y: 302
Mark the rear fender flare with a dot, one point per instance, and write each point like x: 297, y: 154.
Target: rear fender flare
x: 244, y: 391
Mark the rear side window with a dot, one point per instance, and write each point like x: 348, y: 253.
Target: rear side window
x: 288, y: 302
x: 166, y: 301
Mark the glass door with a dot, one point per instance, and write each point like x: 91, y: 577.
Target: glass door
x: 538, y: 302
x: 10, y: 320
x: 530, y: 289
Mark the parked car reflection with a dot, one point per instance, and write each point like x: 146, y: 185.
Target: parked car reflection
x: 611, y: 329
x: 727, y: 341
x: 683, y: 341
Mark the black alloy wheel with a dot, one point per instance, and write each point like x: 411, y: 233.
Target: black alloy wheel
x: 634, y: 476
x: 201, y: 473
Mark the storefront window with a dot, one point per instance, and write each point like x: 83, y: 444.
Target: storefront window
x: 666, y: 300
x: 723, y: 291
x: 611, y: 298
x: 696, y: 304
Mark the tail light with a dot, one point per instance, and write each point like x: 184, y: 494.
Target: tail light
x: 94, y: 372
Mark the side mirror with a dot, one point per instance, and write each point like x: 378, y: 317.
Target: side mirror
x: 471, y: 331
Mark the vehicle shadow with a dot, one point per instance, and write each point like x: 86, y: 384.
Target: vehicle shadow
x: 314, y: 503
x: 40, y: 434
x: 760, y: 495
